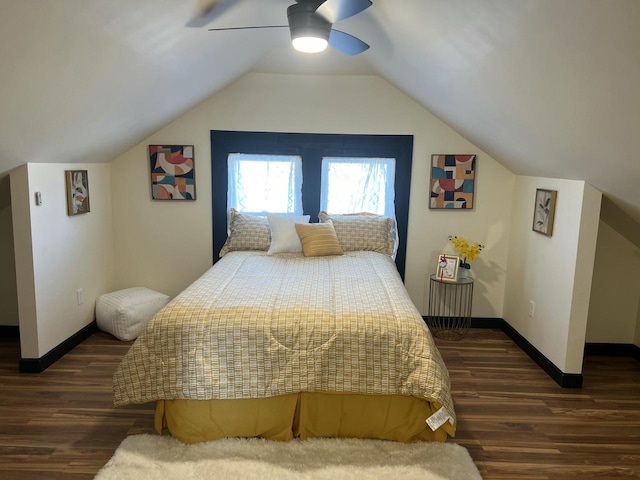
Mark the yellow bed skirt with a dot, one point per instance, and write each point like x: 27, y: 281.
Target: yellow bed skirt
x: 303, y: 415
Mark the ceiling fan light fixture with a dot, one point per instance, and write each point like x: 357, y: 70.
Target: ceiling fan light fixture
x: 309, y: 31
x: 310, y: 24
x: 309, y: 44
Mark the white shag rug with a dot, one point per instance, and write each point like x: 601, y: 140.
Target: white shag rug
x: 146, y: 457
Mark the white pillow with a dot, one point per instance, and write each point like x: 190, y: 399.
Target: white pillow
x: 284, y: 237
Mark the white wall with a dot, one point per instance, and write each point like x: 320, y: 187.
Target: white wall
x: 554, y: 272
x: 615, y: 293
x: 57, y: 254
x: 166, y: 245
x: 25, y: 287
x: 584, y: 264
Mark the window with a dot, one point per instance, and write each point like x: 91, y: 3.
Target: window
x: 265, y: 183
x: 351, y: 185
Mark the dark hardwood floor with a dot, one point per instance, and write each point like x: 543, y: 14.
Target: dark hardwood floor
x: 517, y: 423
x: 61, y: 424
x: 514, y: 420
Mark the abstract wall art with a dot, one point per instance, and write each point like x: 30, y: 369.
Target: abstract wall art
x: 172, y: 172
x: 452, y: 181
x: 544, y: 211
x: 77, y: 191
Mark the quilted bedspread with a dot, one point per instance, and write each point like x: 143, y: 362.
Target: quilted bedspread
x: 257, y: 326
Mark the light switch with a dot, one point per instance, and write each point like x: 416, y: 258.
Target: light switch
x: 38, y: 199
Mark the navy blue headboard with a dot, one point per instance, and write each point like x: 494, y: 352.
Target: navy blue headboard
x: 311, y: 147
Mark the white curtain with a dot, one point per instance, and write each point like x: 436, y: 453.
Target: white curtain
x: 265, y: 183
x: 351, y: 185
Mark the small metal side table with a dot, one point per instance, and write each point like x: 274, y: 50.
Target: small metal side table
x: 449, y: 315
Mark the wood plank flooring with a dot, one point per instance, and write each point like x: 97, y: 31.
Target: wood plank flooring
x: 61, y: 424
x: 514, y: 420
x: 517, y: 423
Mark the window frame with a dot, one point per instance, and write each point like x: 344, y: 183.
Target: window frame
x: 312, y: 147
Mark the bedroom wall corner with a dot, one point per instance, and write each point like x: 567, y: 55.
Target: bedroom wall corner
x: 554, y: 271
x: 8, y: 285
x: 163, y: 245
x: 487, y: 223
x: 59, y: 254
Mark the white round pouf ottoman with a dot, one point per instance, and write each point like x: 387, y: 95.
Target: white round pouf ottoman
x: 125, y: 313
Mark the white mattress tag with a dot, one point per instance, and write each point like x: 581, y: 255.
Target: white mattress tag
x: 438, y: 419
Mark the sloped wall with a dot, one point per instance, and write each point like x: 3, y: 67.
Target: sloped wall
x: 166, y: 245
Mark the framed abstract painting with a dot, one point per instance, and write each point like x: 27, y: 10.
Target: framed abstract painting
x: 452, y: 181
x: 544, y: 211
x: 172, y: 172
x: 77, y: 182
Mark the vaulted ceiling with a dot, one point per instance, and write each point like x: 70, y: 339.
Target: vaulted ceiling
x: 549, y: 88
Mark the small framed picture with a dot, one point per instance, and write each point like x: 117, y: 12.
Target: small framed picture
x: 77, y: 192
x: 544, y: 211
x: 447, y: 269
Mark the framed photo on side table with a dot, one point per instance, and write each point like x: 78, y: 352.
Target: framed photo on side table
x: 447, y: 269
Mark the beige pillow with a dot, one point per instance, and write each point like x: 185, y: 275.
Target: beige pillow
x: 318, y: 239
x: 364, y: 232
x: 247, y: 232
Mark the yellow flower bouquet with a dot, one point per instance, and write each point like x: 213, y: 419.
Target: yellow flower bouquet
x: 468, y: 252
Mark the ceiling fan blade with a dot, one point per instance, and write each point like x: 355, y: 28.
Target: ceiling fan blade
x: 346, y: 43
x: 336, y: 10
x: 247, y: 28
x: 206, y: 12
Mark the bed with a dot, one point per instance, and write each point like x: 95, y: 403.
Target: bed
x: 283, y: 346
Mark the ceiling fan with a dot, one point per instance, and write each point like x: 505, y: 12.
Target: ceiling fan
x: 310, y: 23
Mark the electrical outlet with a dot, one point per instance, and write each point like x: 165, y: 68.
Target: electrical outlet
x: 532, y: 308
x: 80, y: 295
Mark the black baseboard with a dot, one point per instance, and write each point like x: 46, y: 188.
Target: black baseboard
x: 565, y: 380
x: 613, y: 349
x: 39, y: 365
x: 9, y: 331
x: 477, y: 322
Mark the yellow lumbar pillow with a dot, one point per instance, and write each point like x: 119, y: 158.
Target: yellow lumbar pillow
x: 318, y: 239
